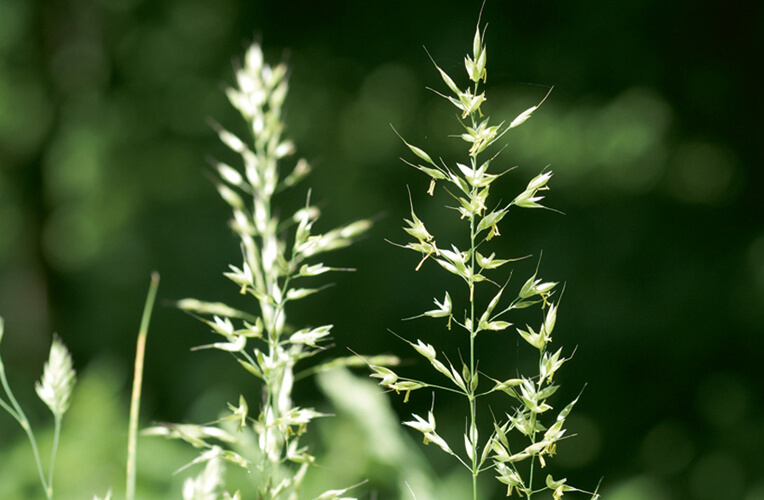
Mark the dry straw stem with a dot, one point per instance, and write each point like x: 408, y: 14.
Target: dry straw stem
x: 135, y: 401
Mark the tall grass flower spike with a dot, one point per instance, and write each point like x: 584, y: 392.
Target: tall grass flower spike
x: 524, y: 439
x: 279, y: 265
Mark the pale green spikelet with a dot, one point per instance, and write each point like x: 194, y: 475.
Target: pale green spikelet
x: 58, y: 379
x: 207, y: 485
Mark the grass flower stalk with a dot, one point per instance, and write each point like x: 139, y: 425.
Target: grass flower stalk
x: 278, y: 268
x: 55, y: 390
x: 526, y: 437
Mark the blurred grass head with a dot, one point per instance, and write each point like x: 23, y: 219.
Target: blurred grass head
x: 277, y: 270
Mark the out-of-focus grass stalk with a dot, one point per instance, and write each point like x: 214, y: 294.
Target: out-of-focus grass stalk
x: 55, y: 390
x: 17, y: 412
x: 135, y: 402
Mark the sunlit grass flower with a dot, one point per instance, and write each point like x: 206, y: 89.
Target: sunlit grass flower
x: 55, y: 387
x: 468, y: 183
x: 278, y: 268
x: 55, y: 390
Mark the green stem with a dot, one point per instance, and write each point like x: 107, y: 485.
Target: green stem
x: 275, y: 383
x: 53, y: 452
x: 533, y: 458
x: 135, y: 400
x: 473, y: 330
x: 473, y: 403
x: 18, y: 413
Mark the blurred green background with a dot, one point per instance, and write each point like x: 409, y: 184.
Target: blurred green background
x: 653, y: 131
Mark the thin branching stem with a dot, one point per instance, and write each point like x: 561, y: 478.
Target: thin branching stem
x: 15, y: 410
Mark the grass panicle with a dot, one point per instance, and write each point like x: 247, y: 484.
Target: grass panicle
x: 525, y: 437
x: 55, y: 389
x: 279, y: 268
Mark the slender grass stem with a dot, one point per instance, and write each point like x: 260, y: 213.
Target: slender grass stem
x: 473, y: 328
x: 54, y: 450
x: 135, y: 401
x: 533, y: 459
x: 33, y: 442
x: 473, y: 402
x: 17, y: 413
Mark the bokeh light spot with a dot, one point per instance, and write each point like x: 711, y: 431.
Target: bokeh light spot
x: 701, y: 173
x: 722, y: 399
x: 80, y: 64
x: 585, y: 444
x: 200, y: 19
x: 25, y: 113
x: 756, y: 492
x: 70, y: 238
x: 151, y: 56
x: 387, y: 96
x: 637, y: 488
x: 190, y: 102
x: 616, y: 145
x: 667, y: 449
x: 13, y: 17
x: 73, y: 165
x: 10, y: 220
x: 716, y: 473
